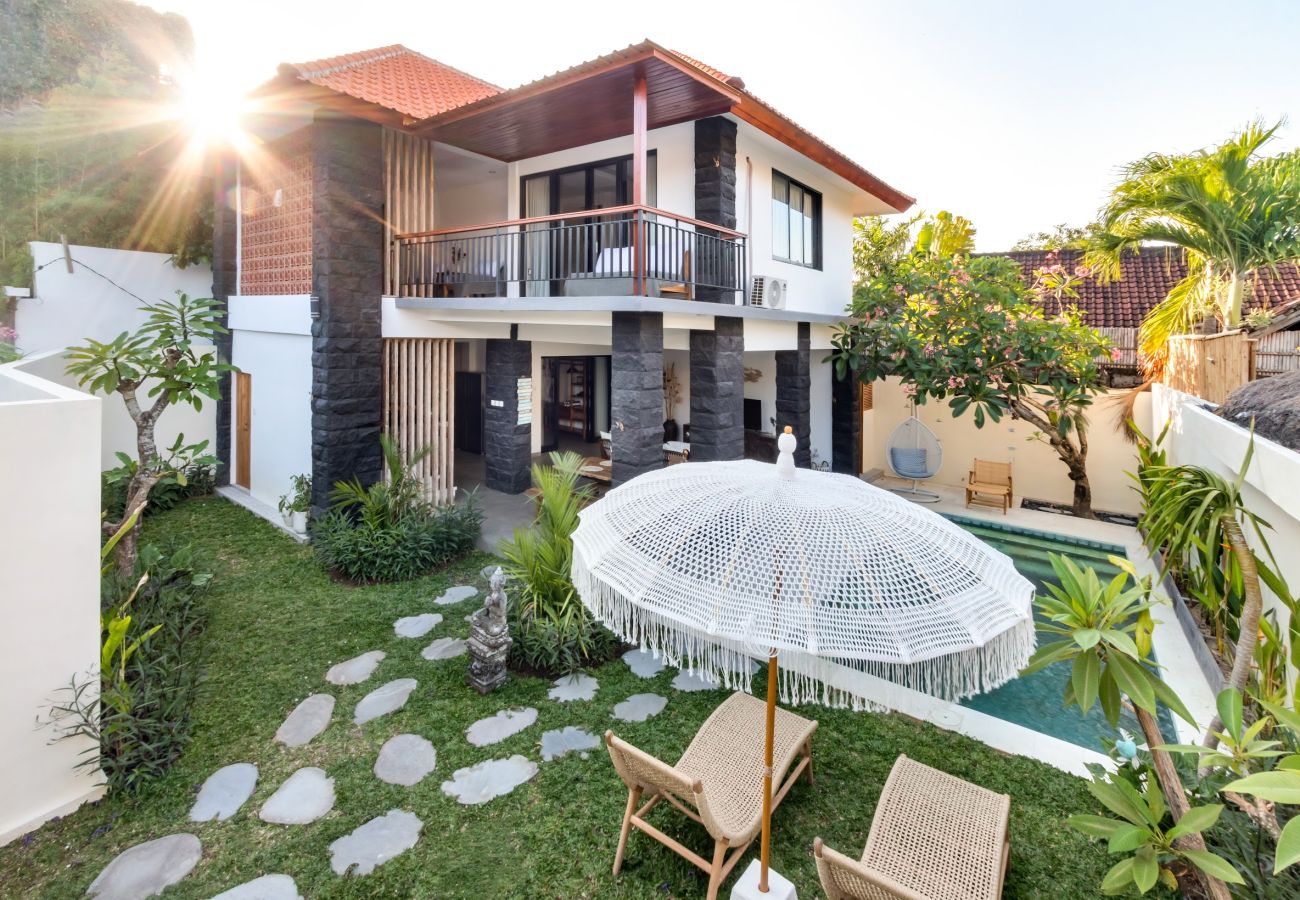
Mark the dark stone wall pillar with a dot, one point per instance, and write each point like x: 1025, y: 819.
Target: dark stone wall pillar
x: 637, y: 395
x: 846, y: 424
x: 718, y: 391
x: 224, y: 268
x: 347, y: 277
x: 507, y: 452
x: 715, y: 199
x: 793, y: 404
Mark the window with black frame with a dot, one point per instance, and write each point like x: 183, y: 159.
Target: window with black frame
x: 796, y: 222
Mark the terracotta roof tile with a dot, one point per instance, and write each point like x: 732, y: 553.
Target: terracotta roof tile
x: 1146, y: 278
x: 398, y: 78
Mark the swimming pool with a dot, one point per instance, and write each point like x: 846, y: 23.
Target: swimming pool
x: 1036, y: 701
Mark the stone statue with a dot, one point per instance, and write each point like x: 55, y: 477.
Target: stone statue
x: 489, y: 639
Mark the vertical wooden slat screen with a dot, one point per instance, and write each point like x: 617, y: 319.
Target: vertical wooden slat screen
x: 866, y: 396
x: 408, y: 196
x: 419, y: 381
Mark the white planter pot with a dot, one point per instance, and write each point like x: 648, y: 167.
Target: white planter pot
x: 298, y: 522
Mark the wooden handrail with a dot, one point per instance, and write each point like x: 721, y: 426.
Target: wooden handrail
x: 584, y: 214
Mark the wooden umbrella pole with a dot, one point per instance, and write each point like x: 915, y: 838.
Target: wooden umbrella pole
x: 766, y: 851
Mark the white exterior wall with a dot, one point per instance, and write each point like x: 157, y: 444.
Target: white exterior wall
x: 49, y: 589
x: 67, y: 309
x: 271, y: 341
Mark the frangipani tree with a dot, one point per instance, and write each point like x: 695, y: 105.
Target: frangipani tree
x: 969, y: 332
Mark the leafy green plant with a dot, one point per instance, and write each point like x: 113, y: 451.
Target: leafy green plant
x: 553, y: 632
x: 1280, y: 785
x: 1237, y: 744
x: 194, y: 480
x: 299, y: 497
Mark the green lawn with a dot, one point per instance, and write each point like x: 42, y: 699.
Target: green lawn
x: 277, y: 623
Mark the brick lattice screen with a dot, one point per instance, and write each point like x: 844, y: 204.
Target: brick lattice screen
x: 277, y: 239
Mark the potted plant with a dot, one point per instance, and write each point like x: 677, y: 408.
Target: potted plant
x: 294, y: 506
x: 672, y: 396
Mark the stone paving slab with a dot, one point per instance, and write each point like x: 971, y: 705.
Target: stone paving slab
x: 640, y: 707
x: 147, y: 869
x: 497, y: 728
x: 689, y: 683
x: 643, y: 663
x: 405, y: 759
x: 224, y: 793
x: 355, y: 670
x: 444, y: 648
x: 579, y: 686
x: 375, y: 843
x: 305, y: 796
x: 417, y: 626
x: 487, y: 780
x: 566, y: 740
x: 268, y: 887
x: 384, y: 700
x: 308, y: 719
x: 457, y: 594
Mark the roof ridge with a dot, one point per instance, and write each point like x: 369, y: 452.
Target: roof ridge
x: 439, y: 62
x: 363, y: 57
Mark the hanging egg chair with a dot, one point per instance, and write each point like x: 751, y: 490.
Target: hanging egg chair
x: 916, y: 454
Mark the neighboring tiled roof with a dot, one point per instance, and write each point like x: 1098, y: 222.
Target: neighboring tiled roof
x: 398, y: 78
x: 1146, y: 278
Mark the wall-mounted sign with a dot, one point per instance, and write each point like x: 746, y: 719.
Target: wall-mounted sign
x: 525, y: 389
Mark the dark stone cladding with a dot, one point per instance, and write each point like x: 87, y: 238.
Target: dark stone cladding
x: 846, y: 424
x: 637, y: 394
x: 718, y: 391
x: 347, y: 278
x: 224, y: 269
x: 507, y: 452
x: 715, y: 195
x: 793, y: 404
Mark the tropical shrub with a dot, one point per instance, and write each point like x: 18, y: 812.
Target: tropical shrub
x: 553, y: 632
x: 387, y: 531
x: 195, y: 480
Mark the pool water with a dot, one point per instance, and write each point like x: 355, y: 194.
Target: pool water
x: 1036, y: 701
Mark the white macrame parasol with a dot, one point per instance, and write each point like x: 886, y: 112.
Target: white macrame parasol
x: 712, y: 564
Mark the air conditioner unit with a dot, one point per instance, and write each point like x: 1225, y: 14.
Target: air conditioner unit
x: 768, y: 292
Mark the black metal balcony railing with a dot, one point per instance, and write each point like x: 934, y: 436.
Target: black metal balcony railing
x: 624, y: 251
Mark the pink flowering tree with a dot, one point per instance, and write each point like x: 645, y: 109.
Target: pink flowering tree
x: 971, y: 333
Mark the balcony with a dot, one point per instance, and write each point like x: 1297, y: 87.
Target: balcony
x: 624, y: 251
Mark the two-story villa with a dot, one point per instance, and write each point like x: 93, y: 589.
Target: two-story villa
x: 408, y: 249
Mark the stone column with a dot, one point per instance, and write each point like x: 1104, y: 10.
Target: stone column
x: 507, y: 451
x: 715, y: 196
x: 846, y: 424
x: 224, y: 269
x: 347, y: 279
x: 718, y: 391
x: 793, y: 380
x: 637, y: 394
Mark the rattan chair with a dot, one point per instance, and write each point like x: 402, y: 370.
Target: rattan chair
x: 718, y: 782
x: 934, y: 837
x: 990, y: 484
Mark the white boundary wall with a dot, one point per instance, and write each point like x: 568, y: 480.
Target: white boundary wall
x: 49, y: 589
x: 1199, y: 437
x: 67, y: 309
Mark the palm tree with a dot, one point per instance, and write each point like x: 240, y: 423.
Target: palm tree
x: 1228, y: 210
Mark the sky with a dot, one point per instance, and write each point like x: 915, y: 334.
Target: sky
x: 1016, y: 115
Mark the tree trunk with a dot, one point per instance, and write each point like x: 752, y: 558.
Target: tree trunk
x: 1082, y: 493
x: 1243, y: 655
x: 1176, y: 797
x: 1232, y: 302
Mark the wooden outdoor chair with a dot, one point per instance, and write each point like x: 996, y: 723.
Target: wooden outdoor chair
x: 718, y: 782
x: 989, y: 484
x: 933, y: 837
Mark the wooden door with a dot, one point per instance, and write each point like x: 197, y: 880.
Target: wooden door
x: 243, y: 428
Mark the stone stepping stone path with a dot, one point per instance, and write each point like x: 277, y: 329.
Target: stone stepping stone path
x: 643, y: 663
x: 355, y: 670
x: 224, y: 793
x: 268, y: 887
x: 405, y: 760
x: 308, y: 719
x: 457, y: 594
x: 305, y: 796
x: 417, y: 626
x: 564, y: 741
x: 640, y: 707
x: 689, y: 683
x: 384, y: 700
x: 494, y: 778
x: 375, y: 842
x: 580, y: 686
x: 444, y: 648
x: 147, y: 869
x: 495, y: 729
